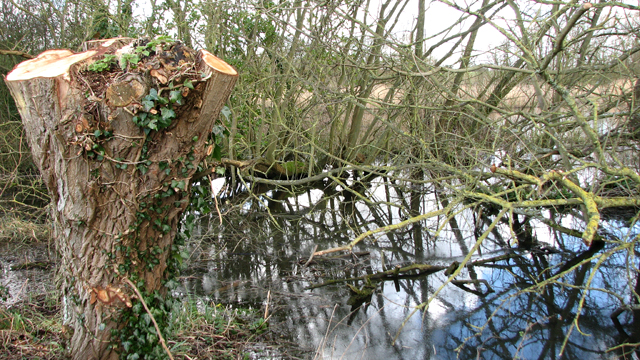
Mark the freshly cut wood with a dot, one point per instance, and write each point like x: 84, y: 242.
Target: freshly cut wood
x: 117, y: 147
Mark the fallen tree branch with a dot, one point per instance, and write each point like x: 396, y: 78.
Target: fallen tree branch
x: 17, y: 53
x: 413, y: 270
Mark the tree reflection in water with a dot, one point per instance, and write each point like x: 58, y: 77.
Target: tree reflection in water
x: 549, y: 298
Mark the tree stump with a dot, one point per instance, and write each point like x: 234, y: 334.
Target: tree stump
x: 117, y: 132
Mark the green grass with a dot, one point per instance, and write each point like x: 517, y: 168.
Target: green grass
x: 208, y: 330
x: 32, y: 328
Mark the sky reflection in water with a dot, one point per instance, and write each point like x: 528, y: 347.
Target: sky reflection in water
x: 261, y: 244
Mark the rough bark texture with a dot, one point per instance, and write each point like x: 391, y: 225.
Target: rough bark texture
x: 102, y: 187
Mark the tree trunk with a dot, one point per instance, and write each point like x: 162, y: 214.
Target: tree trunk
x: 118, y: 180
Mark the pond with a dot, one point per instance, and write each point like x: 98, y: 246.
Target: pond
x: 540, y: 294
x: 531, y: 291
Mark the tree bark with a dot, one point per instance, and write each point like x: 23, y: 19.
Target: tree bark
x: 117, y: 188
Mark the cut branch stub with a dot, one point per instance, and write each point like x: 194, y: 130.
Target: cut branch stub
x: 117, y: 147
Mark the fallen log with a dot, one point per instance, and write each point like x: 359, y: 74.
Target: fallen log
x: 117, y: 132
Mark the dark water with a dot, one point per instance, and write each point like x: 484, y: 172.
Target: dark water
x: 520, y: 309
x: 26, y: 270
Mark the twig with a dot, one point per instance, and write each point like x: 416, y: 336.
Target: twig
x: 215, y: 198
x: 324, y: 338
x: 17, y: 53
x: 266, y: 308
x: 155, y: 324
x: 385, y: 229
x: 311, y: 257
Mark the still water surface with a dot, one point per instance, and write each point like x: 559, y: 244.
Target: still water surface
x: 256, y: 257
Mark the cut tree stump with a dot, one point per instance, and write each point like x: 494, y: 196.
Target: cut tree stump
x: 117, y: 149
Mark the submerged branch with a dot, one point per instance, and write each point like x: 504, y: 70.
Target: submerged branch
x: 411, y: 271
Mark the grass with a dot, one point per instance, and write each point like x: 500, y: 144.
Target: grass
x: 32, y: 329
x: 214, y: 331
x: 13, y: 229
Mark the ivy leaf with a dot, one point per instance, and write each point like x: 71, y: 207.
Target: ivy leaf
x: 217, y: 153
x: 165, y: 119
x: 226, y: 112
x: 178, y: 185
x: 145, y: 317
x: 188, y: 84
x: 153, y: 95
x: 167, y: 114
x: 140, y: 119
x: 148, y: 105
x: 163, y: 38
x: 217, y: 130
x: 175, y: 96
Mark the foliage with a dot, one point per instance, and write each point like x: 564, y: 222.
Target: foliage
x: 102, y: 64
x: 221, y: 332
x: 139, y: 339
x: 544, y: 121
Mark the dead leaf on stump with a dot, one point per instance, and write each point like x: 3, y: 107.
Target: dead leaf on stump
x: 109, y: 295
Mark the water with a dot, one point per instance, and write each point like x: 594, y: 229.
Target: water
x: 513, y: 308
x: 25, y: 270
x: 256, y: 258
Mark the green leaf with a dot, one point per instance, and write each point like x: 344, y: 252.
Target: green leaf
x: 178, y: 184
x: 147, y: 105
x: 217, y: 152
x: 97, y: 133
x: 140, y: 119
x: 175, y: 96
x: 218, y: 130
x: 188, y: 84
x: 167, y: 114
x: 153, y: 95
x: 146, y: 318
x: 226, y: 112
x: 164, y: 38
x: 164, y: 123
